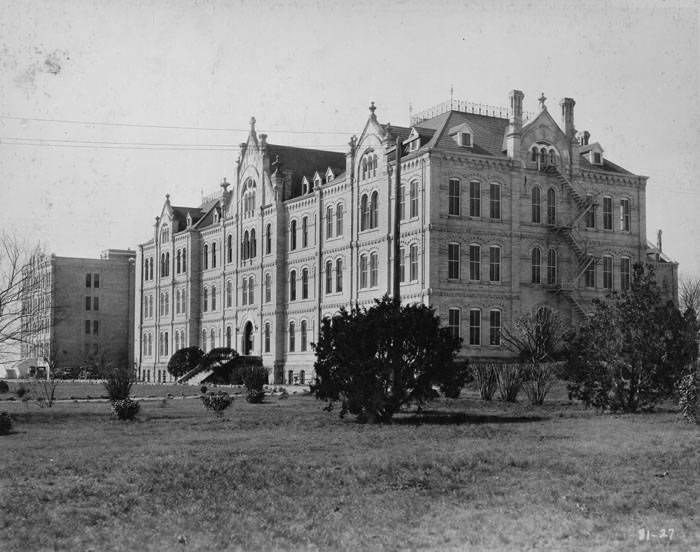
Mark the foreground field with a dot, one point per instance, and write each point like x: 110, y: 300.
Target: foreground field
x: 285, y: 475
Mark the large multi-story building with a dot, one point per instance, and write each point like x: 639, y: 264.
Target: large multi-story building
x: 501, y: 212
x: 77, y: 312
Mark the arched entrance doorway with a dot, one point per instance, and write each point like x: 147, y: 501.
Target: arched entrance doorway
x: 247, y: 338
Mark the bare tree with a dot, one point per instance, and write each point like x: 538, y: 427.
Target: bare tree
x: 689, y: 294
x: 535, y: 336
x: 26, y: 309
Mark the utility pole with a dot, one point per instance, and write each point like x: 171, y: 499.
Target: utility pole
x: 397, y: 224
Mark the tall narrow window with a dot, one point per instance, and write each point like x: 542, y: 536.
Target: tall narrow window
x: 88, y: 280
x: 413, y: 262
x: 453, y: 322
x: 329, y: 222
x: 339, y: 275
x: 88, y: 303
x: 268, y: 287
x: 413, y: 188
x: 268, y: 239
x: 293, y: 285
x: 177, y: 301
x: 453, y: 193
x: 229, y: 293
x: 495, y: 327
x: 589, y: 274
x: 624, y: 273
x: 96, y: 277
x: 363, y: 271
x: 251, y: 290
x: 291, y: 337
x: 178, y: 262
x: 551, y: 267
x: 536, y: 205
x: 305, y: 232
x: 229, y: 249
x: 205, y: 256
x: 607, y: 272
x: 364, y: 212
x: 453, y: 261
x: 213, y: 298
x: 212, y: 338
x: 204, y: 340
x: 205, y: 300
x: 253, y: 244
x: 494, y: 263
x: 87, y: 327
x: 228, y: 336
x: 607, y: 213
x: 551, y: 206
x: 329, y: 276
x: 590, y: 214
x: 373, y: 270
x: 184, y: 260
x: 244, y: 292
x: 495, y: 200
x: 474, y: 262
x: 213, y: 255
x: 474, y: 199
x: 475, y: 327
x: 536, y: 262
x: 339, y: 220
x: 302, y: 335
x: 95, y: 327
x: 402, y: 202
x: 95, y: 303
x: 293, y: 235
x: 374, y: 210
x: 402, y: 265
x: 625, y: 215
x: 305, y: 283
x: 267, y: 337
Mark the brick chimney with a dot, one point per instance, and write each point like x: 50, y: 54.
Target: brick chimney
x: 515, y: 123
x: 567, y: 116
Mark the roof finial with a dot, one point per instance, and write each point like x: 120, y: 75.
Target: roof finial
x: 252, y: 124
x: 167, y: 198
x: 225, y: 184
x: 372, y: 108
x: 542, y: 99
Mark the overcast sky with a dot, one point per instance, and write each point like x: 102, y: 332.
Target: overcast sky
x: 313, y: 68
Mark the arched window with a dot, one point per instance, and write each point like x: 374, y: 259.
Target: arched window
x: 402, y: 202
x: 244, y: 292
x: 177, y: 341
x: 339, y: 220
x: 178, y: 262
x: 414, y: 199
x: 268, y: 239
x: 373, y: 270
x: 339, y: 275
x: 305, y: 232
x: 552, y: 157
x: 329, y: 276
x: 534, y: 154
x: 183, y: 297
x: 213, y: 298
x: 413, y: 260
x: 305, y: 283
x: 291, y: 337
x: 205, y: 300
x: 551, y: 206
x: 363, y: 271
x: 251, y: 290
x: 268, y: 287
x: 293, y: 235
x: 184, y: 260
x: 543, y: 157
x: 229, y: 293
x: 228, y: 336
x: 246, y: 246
x: 177, y: 301
x: 167, y: 264
x: 374, y: 210
x: 302, y: 377
x: 364, y: 212
x: 302, y: 332
x: 374, y: 165
x: 551, y: 267
x: 206, y: 256
x: 212, y: 338
x: 229, y: 249
x: 536, y: 262
x: 329, y: 222
x: 253, y: 244
x: 293, y: 285
x: 267, y: 337
x: 364, y: 168
x: 536, y: 205
x: 213, y: 255
x: 204, y: 340
x: 162, y: 264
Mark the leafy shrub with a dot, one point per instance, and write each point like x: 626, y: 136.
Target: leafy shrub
x: 184, y: 360
x: 203, y: 389
x: 509, y: 379
x: 125, y: 409
x: 118, y: 381
x: 217, y: 401
x: 254, y: 378
x: 376, y: 360
x: 451, y: 387
x: 688, y: 396
x: 4, y: 388
x: 5, y: 423
x: 21, y: 391
x: 484, y: 375
x: 538, y: 380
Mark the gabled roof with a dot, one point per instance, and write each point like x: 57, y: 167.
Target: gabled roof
x: 488, y: 132
x: 302, y: 162
x: 180, y: 216
x: 607, y: 166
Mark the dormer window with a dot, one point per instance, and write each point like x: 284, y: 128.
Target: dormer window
x: 595, y: 154
x: 304, y: 186
x: 597, y: 158
x: 329, y: 175
x: 216, y: 216
x: 464, y: 139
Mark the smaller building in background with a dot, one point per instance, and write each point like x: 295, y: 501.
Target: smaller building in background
x: 78, y: 314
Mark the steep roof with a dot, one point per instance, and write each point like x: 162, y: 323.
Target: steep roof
x: 180, y: 216
x: 608, y: 166
x: 488, y: 131
x: 303, y: 162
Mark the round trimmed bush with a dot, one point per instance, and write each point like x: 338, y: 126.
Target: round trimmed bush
x: 125, y: 409
x: 217, y: 401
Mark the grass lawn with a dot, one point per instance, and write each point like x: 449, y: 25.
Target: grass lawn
x: 284, y: 475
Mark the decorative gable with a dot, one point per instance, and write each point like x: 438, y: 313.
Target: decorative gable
x: 412, y: 143
x: 329, y: 175
x: 463, y: 135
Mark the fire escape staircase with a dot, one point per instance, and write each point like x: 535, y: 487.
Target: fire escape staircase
x: 574, y: 239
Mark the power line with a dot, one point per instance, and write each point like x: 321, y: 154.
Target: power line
x: 168, y: 127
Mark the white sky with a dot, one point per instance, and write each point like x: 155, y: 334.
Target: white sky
x: 314, y: 66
